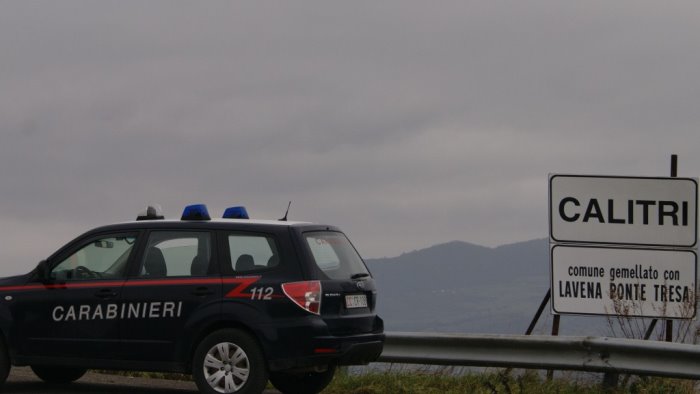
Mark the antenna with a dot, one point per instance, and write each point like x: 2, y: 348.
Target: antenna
x: 284, y: 219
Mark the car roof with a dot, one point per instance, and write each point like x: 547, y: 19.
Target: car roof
x: 224, y: 221
x: 222, y: 224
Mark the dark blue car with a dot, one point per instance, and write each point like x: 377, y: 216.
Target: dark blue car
x: 232, y: 301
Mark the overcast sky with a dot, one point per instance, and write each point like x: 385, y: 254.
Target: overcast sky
x: 405, y: 123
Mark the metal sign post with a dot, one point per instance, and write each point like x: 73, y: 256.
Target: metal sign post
x: 669, y: 322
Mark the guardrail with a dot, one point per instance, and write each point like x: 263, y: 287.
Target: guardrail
x: 593, y: 354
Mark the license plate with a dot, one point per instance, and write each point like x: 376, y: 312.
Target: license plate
x: 356, y: 301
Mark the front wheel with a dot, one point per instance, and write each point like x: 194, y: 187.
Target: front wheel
x: 57, y: 374
x: 302, y: 383
x: 4, y: 362
x: 229, y: 361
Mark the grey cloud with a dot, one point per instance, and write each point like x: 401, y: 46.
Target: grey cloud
x: 406, y: 123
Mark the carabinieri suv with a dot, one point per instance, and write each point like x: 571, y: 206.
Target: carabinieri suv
x: 234, y: 302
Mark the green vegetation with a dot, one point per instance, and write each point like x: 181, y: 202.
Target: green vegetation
x: 499, y: 382
x: 492, y: 383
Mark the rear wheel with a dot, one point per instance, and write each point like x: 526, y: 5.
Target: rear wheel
x: 302, y: 383
x: 56, y: 374
x: 229, y: 361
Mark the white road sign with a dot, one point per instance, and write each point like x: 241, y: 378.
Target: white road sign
x: 623, y: 210
x: 600, y: 280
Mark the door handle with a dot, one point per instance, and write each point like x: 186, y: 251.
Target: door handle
x: 202, y: 291
x: 106, y: 293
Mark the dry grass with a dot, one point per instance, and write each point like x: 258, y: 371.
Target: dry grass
x: 529, y: 382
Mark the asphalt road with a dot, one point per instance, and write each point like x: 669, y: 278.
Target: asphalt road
x: 22, y: 380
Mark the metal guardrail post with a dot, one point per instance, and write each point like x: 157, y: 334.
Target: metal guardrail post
x: 610, y: 380
x: 555, y: 332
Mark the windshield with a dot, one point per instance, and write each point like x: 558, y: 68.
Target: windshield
x: 334, y: 255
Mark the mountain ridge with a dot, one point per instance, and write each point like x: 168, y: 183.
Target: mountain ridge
x: 459, y: 286
x: 457, y: 244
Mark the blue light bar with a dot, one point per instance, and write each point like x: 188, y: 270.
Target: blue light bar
x: 195, y: 212
x: 236, y: 213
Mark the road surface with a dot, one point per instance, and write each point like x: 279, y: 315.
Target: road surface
x: 22, y: 380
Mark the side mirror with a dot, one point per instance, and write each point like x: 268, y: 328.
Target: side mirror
x: 42, y: 271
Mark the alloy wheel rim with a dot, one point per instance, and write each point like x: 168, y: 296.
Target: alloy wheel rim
x: 226, y: 367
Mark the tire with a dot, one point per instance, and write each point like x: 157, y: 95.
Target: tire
x: 58, y: 374
x: 302, y: 383
x: 4, y: 362
x: 229, y: 361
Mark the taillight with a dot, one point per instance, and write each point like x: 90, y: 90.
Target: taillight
x: 305, y: 294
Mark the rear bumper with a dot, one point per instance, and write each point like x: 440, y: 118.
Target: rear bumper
x: 361, y: 353
x: 332, y: 350
x: 308, y: 342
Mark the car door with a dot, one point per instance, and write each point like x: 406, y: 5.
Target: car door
x: 74, y: 312
x: 174, y: 289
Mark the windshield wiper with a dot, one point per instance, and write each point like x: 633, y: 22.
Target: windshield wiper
x: 360, y: 275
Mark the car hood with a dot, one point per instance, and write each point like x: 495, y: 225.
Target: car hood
x: 14, y: 280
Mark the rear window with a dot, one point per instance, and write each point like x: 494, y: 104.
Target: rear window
x: 334, y: 255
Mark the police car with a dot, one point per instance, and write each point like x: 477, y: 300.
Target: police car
x: 233, y: 301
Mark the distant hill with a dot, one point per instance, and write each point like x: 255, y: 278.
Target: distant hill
x: 462, y: 287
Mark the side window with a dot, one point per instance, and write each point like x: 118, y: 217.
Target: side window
x: 101, y: 258
x: 250, y: 252
x: 176, y: 253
